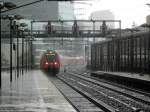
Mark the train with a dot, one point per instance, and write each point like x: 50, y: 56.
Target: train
x: 130, y: 53
x: 50, y: 62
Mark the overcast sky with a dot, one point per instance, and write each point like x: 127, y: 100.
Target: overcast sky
x: 128, y: 11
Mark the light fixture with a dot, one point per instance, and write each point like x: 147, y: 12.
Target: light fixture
x: 9, y: 5
x: 1, y: 5
x: 23, y: 24
x: 18, y: 17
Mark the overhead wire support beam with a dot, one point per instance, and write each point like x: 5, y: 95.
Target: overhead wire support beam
x: 76, y: 30
x: 76, y: 20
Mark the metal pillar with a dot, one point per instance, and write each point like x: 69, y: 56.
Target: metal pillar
x: 94, y: 30
x: 17, y: 51
x: 26, y: 57
x: 14, y: 46
x: 0, y: 49
x: 132, y: 53
x: 11, y: 39
x: 31, y: 46
x: 22, y: 52
x: 149, y: 51
x: 31, y: 55
x: 140, y: 54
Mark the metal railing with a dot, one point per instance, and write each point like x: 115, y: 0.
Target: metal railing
x: 128, y: 54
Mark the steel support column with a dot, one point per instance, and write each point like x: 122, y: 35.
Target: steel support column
x: 17, y: 51
x: 26, y: 56
x: 11, y: 39
x: 32, y: 45
x: 94, y: 30
x: 131, y: 52
x: 31, y: 55
x: 149, y: 51
x: 0, y: 50
x: 22, y: 51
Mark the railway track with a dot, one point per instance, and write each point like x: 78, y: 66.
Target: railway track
x: 113, y: 98
x: 127, y: 89
x: 78, y: 101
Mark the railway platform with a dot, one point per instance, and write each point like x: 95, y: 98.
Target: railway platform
x: 134, y: 79
x: 31, y: 92
x: 144, y: 77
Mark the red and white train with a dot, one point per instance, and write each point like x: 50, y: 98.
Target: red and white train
x: 50, y: 62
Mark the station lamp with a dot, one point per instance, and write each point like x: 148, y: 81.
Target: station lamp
x: 9, y: 5
x: 23, y: 24
x: 18, y: 17
x: 148, y: 4
x: 12, y: 17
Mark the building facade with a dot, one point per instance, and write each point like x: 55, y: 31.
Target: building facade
x: 103, y: 15
x: 148, y: 19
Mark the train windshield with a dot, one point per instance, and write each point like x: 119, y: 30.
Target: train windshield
x: 51, y: 57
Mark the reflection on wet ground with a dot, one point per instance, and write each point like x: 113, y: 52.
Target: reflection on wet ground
x: 31, y: 92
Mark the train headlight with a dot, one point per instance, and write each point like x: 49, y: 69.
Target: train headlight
x: 55, y: 63
x: 46, y: 63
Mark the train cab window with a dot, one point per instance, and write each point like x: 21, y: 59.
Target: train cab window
x: 51, y: 57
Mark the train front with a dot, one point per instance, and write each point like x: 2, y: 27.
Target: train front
x: 51, y: 62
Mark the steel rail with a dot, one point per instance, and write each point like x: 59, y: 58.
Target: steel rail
x: 120, y: 92
x: 116, y: 84
x: 98, y: 103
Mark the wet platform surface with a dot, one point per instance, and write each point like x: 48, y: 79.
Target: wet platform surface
x: 31, y: 92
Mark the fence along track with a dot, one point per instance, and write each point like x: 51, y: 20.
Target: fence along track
x: 127, y: 54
